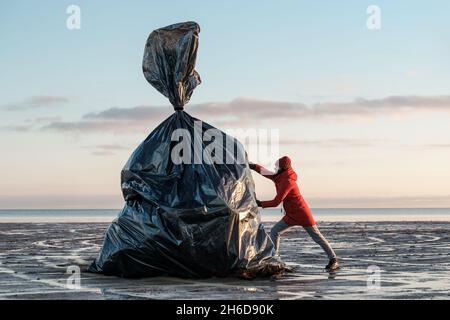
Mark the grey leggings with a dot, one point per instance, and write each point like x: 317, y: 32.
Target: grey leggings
x: 280, y: 227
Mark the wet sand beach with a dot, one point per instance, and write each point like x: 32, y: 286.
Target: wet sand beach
x: 413, y: 260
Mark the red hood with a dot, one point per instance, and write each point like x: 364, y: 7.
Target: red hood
x: 289, y: 173
x: 284, y: 162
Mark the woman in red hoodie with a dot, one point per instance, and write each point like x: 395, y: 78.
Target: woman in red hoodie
x: 296, y: 208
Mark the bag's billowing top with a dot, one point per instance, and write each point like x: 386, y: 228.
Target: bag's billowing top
x: 169, y: 61
x: 185, y: 217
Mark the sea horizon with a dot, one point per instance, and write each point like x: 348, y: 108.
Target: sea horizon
x: 267, y: 215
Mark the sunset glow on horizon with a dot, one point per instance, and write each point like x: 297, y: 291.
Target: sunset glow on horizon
x: 364, y: 114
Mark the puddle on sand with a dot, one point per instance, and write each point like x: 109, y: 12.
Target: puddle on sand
x: 413, y: 260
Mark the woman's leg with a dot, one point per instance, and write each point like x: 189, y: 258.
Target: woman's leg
x: 277, y: 230
x: 318, y: 238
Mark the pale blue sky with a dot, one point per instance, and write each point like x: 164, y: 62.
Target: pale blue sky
x: 265, y: 49
x: 294, y: 51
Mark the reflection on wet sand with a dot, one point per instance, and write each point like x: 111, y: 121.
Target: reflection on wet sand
x: 413, y: 259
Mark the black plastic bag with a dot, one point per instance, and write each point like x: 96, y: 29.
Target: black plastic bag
x: 185, y: 218
x: 169, y: 61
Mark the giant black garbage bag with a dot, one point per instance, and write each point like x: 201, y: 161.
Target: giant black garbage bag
x: 183, y: 216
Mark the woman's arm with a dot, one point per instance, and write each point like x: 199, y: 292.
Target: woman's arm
x: 262, y: 171
x: 285, y: 188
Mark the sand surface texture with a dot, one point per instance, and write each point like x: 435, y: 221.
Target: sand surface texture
x: 412, y: 258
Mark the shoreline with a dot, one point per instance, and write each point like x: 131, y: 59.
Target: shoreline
x: 267, y: 215
x: 318, y: 218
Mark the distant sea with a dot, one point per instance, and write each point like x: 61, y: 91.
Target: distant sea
x: 320, y: 214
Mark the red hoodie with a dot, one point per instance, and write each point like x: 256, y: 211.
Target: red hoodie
x: 297, y: 210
